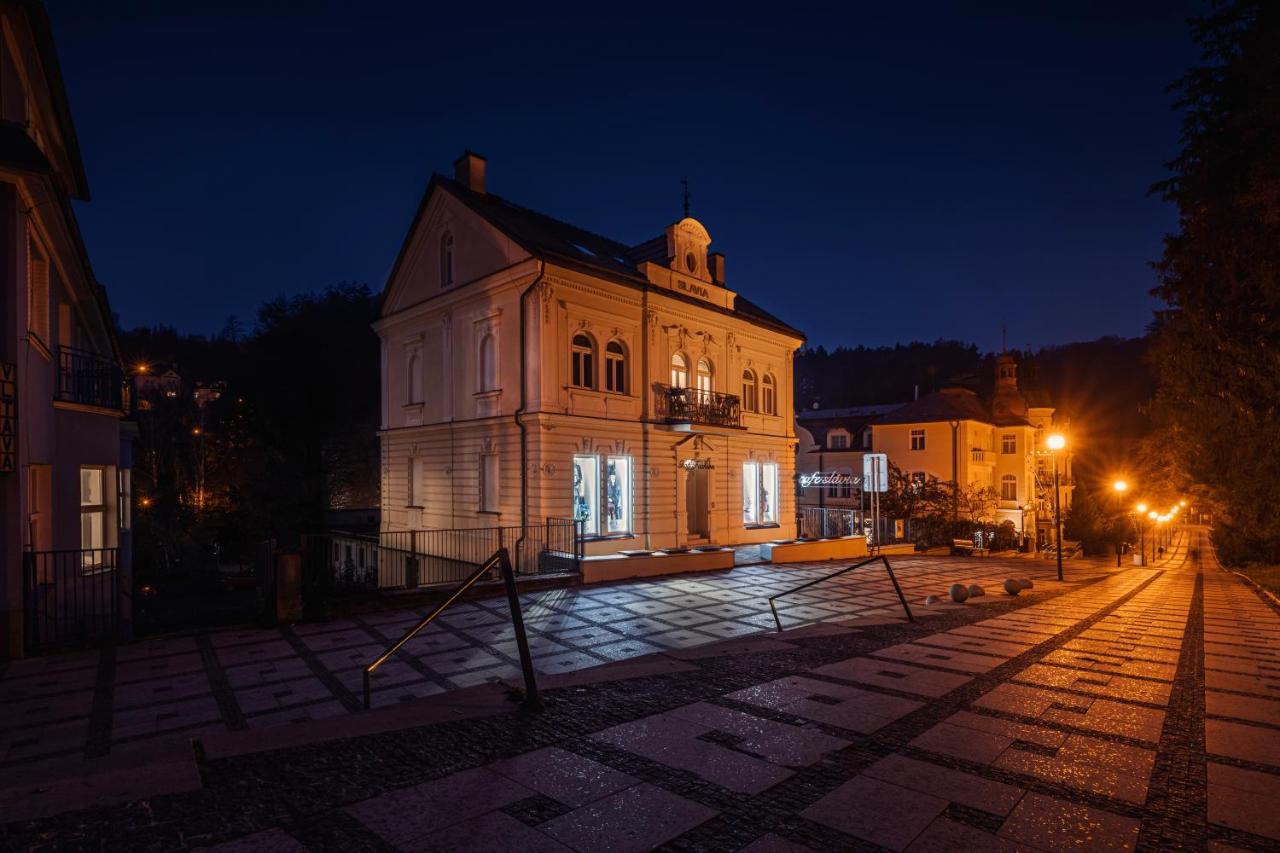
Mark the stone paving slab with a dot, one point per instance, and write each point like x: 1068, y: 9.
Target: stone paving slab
x: 808, y: 744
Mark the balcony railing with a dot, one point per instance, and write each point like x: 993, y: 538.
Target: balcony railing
x: 696, y: 406
x: 89, y: 379
x: 982, y: 457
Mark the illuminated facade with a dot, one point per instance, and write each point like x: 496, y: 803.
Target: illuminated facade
x: 64, y: 450
x: 954, y: 436
x: 531, y: 370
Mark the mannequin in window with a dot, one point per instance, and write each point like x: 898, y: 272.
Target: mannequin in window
x: 615, y: 497
x: 764, y: 503
x: 581, y: 511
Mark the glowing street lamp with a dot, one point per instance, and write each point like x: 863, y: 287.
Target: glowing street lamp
x: 1055, y: 442
x: 1119, y: 487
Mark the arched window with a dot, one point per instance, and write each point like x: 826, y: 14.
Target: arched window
x: 413, y: 379
x: 446, y: 259
x: 1008, y: 488
x: 705, y: 375
x: 487, y: 374
x: 615, y: 368
x: 679, y: 371
x: 748, y: 390
x: 584, y: 361
x: 768, y: 395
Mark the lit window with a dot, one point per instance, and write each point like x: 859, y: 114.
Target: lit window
x: 769, y: 395
x: 1008, y: 488
x: 586, y: 492
x: 615, y: 368
x: 446, y: 259
x: 759, y: 493
x: 93, y: 514
x: 584, y: 362
x: 488, y: 482
x: 488, y: 372
x: 917, y: 439
x: 679, y: 371
x: 618, y: 494
x: 918, y: 479
x: 748, y: 391
x: 1009, y: 443
x: 704, y: 375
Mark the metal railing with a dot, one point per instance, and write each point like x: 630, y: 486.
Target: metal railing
x: 70, y: 597
x: 501, y: 560
x: 90, y: 379
x: 816, y: 522
x: 887, y: 568
x: 551, y: 546
x: 694, y: 405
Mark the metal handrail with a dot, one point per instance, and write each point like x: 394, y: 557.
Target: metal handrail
x: 887, y: 568
x: 500, y: 560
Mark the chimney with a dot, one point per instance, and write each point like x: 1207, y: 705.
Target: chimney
x: 716, y: 261
x: 468, y: 170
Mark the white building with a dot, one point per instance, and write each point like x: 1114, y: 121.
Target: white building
x: 532, y: 369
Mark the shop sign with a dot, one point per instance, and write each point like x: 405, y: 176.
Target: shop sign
x: 8, y: 417
x: 694, y: 464
x: 829, y: 478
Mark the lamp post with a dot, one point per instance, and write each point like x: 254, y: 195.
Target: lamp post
x: 1139, y: 513
x: 1055, y: 443
x: 1152, y: 516
x: 1119, y: 487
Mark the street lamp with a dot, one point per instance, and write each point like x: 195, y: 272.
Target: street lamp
x: 1055, y: 443
x: 1120, y: 487
x: 1153, y: 516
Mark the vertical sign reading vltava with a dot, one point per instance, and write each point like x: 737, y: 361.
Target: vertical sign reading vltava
x: 8, y: 417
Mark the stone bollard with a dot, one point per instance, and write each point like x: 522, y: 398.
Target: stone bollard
x: 1012, y: 587
x: 959, y: 593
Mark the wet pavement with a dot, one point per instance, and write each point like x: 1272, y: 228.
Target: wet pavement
x: 1136, y: 708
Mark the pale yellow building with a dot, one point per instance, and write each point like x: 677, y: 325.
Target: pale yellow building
x: 952, y: 435
x: 532, y: 369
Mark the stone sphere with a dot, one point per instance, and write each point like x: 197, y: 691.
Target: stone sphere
x: 958, y: 592
x: 976, y: 591
x: 931, y: 600
x: 1012, y: 587
x: 1026, y: 583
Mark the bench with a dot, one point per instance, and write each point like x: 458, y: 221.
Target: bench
x: 966, y: 548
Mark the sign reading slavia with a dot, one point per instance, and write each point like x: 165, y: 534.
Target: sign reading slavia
x: 829, y: 478
x: 8, y: 417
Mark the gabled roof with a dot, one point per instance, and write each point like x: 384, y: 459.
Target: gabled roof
x: 820, y: 422
x: 949, y: 404
x: 568, y: 245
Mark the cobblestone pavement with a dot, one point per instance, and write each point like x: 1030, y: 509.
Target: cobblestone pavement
x: 1135, y: 709
x: 70, y: 707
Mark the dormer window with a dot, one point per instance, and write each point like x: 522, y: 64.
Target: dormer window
x: 446, y: 260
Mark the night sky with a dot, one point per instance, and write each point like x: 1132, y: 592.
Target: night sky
x: 871, y: 176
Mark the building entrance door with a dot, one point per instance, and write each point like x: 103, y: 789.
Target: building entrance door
x: 695, y: 496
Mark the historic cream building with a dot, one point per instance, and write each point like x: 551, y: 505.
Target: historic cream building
x: 952, y: 435
x: 531, y: 370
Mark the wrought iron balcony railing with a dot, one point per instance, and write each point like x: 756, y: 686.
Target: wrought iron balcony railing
x: 693, y: 405
x: 89, y: 378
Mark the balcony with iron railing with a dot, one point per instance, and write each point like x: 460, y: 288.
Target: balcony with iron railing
x: 88, y: 378
x: 697, y: 406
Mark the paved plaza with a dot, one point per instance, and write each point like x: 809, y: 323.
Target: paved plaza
x: 1133, y: 708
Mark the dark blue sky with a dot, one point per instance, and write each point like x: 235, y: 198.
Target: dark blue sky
x: 872, y: 176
